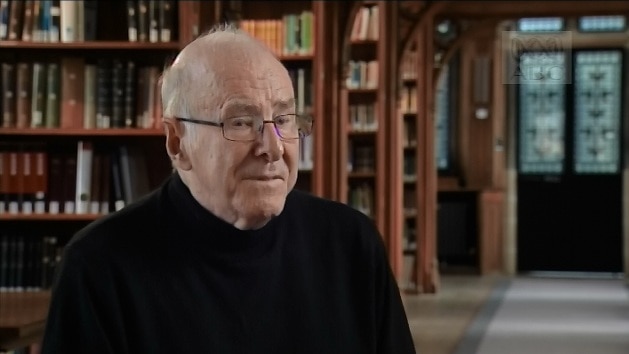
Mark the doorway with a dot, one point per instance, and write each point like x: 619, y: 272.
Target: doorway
x: 569, y: 183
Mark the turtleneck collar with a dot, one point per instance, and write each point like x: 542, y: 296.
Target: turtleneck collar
x: 212, y: 233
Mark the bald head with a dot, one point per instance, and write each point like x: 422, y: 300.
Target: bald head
x: 197, y: 72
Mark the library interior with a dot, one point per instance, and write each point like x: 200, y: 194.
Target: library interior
x: 486, y: 140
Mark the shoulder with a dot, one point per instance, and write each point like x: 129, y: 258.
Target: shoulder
x: 333, y: 220
x: 119, y: 229
x: 306, y: 204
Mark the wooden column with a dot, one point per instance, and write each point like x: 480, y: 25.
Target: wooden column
x: 427, y: 264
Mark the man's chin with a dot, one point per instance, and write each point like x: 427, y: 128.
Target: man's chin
x: 254, y: 221
x: 256, y: 211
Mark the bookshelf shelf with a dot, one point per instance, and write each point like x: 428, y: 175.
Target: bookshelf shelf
x: 364, y: 42
x: 295, y: 58
x: 113, y: 132
x: 361, y: 175
x: 92, y: 45
x: 362, y: 91
x: 49, y: 217
x: 365, y: 133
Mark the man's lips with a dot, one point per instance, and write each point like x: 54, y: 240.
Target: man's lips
x: 264, y: 178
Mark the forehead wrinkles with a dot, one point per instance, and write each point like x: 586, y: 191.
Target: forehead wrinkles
x: 228, y: 67
x: 254, y: 84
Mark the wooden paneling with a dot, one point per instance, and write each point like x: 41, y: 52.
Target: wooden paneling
x: 476, y: 133
x: 491, y: 230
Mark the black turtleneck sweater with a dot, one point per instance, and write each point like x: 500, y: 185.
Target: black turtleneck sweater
x: 164, y: 275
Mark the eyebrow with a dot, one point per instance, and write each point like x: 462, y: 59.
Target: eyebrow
x: 242, y: 105
x: 284, y: 104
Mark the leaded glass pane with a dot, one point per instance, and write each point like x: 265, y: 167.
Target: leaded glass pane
x: 542, y: 24
x: 442, y: 114
x: 542, y: 118
x: 602, y: 23
x: 597, y: 111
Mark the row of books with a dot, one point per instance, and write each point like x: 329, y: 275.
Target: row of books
x: 361, y: 158
x: 409, y: 235
x: 409, y: 167
x: 73, y: 93
x: 409, y: 135
x: 306, y: 162
x: 408, y: 66
x: 28, y: 263
x: 151, y: 20
x: 291, y: 35
x: 409, y: 198
x: 362, y: 117
x: 361, y: 198
x: 408, y: 99
x: 88, y: 180
x: 76, y: 21
x: 48, y: 20
x: 301, y: 79
x: 362, y: 74
x: 366, y: 24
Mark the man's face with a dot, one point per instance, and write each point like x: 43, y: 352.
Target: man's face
x: 246, y: 182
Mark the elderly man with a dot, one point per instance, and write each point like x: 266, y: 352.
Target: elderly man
x: 225, y: 257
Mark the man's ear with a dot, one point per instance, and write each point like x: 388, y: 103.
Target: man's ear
x: 174, y: 145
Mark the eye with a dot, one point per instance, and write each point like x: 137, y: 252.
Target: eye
x: 285, y: 119
x: 239, y: 122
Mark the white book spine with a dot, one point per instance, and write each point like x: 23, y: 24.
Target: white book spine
x: 69, y: 14
x: 83, y: 177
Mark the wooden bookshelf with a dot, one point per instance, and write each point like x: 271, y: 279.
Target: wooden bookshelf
x: 416, y: 181
x: 91, y: 45
x: 49, y: 217
x: 27, y: 132
x: 364, y: 112
x: 81, y: 132
x: 407, y: 119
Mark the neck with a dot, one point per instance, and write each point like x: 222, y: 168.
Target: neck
x: 243, y: 223
x: 230, y: 216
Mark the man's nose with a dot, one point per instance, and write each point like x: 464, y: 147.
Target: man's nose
x: 271, y: 145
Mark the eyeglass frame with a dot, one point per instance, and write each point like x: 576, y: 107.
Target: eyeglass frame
x: 300, y: 132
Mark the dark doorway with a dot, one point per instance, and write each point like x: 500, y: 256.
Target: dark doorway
x: 569, y: 164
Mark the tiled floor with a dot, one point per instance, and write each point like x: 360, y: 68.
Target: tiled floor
x: 438, y: 321
x: 558, y: 315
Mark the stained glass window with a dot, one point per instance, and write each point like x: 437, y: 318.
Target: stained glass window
x: 541, y: 24
x: 442, y: 121
x: 597, y: 111
x: 541, y: 118
x: 602, y: 23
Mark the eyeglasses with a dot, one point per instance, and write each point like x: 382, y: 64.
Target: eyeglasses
x: 247, y: 128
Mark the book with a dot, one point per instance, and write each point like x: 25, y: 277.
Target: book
x: 72, y: 92
x: 84, y: 158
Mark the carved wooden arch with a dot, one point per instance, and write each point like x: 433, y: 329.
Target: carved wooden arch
x: 452, y: 48
x: 429, y: 11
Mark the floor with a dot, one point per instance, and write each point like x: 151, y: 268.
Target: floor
x: 556, y: 315
x: 497, y: 315
x: 439, y: 321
